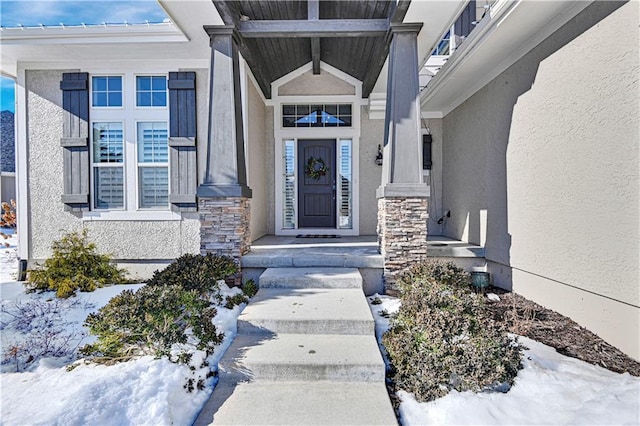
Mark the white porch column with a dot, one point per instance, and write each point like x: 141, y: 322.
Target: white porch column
x: 402, y: 195
x: 223, y: 194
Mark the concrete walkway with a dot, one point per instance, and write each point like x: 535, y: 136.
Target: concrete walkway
x: 305, y: 354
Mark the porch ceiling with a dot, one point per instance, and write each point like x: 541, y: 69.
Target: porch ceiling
x: 271, y: 56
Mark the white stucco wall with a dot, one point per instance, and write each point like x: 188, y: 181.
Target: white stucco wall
x: 542, y: 164
x: 125, y: 240
x: 371, y: 135
x: 434, y: 125
x: 310, y: 84
x: 269, y: 160
x: 257, y: 162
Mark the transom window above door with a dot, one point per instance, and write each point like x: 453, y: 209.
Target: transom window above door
x: 316, y: 115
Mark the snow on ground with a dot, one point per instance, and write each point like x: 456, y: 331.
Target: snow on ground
x: 8, y: 257
x: 550, y: 389
x: 146, y: 391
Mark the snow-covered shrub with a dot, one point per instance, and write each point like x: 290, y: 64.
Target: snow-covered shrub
x: 443, y: 338
x: 236, y: 299
x: 196, y: 272
x: 170, y: 316
x: 75, y: 265
x: 156, y: 320
x: 37, y: 329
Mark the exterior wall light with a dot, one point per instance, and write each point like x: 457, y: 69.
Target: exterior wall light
x: 379, y: 156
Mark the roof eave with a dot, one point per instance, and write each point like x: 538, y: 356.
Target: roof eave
x: 508, y: 32
x: 120, y: 33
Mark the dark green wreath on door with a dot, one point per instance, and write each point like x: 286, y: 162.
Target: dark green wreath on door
x: 316, y: 168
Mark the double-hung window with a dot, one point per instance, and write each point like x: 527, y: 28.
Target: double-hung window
x: 129, y: 142
x: 153, y: 164
x: 108, y: 165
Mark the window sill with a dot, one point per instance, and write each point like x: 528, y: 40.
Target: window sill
x: 140, y: 215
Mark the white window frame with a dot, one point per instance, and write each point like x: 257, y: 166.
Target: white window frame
x: 135, y: 90
x: 130, y: 114
x: 140, y: 165
x: 95, y: 166
x: 112, y: 108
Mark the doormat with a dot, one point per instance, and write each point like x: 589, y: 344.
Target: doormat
x: 316, y: 236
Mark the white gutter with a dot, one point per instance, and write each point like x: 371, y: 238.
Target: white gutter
x: 477, y: 61
x: 107, y: 33
x: 485, y: 27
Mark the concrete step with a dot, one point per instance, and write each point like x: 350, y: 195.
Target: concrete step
x: 307, y: 311
x: 295, y: 357
x: 298, y: 403
x: 311, y: 278
x: 323, y: 255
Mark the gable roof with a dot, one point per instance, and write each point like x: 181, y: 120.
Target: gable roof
x: 273, y: 56
x: 361, y: 55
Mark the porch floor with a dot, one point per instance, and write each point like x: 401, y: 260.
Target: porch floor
x: 273, y: 251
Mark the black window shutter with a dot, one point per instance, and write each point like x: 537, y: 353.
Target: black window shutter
x: 182, y: 141
x: 426, y: 152
x: 75, y: 141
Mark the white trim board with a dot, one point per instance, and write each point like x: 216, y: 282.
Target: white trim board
x: 22, y: 165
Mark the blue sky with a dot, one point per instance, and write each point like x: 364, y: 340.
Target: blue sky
x: 7, y: 94
x: 54, y: 12
x: 74, y: 12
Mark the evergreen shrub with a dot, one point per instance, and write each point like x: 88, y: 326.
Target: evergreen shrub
x: 75, y: 265
x: 196, y: 272
x: 151, y: 321
x: 170, y: 316
x: 443, y: 337
x: 249, y: 288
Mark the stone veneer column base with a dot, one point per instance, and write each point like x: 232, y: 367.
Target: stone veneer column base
x: 224, y: 226
x: 402, y: 235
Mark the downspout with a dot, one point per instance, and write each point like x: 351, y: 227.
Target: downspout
x: 22, y: 200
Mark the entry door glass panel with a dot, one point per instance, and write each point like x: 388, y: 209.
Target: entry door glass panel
x: 345, y: 186
x: 317, y: 183
x: 289, y: 185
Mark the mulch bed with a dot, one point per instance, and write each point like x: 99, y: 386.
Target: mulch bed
x: 527, y: 318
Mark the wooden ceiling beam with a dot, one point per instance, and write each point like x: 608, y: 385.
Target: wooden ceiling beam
x: 313, y: 10
x: 228, y: 11
x: 315, y: 54
x: 313, y: 14
x: 320, y: 28
x: 399, y: 10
